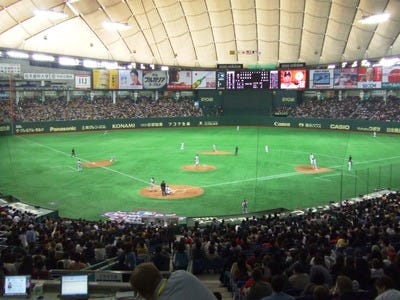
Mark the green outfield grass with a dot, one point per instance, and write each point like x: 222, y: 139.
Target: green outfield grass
x: 38, y: 169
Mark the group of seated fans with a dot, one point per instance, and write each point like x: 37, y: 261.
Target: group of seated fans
x: 375, y: 108
x: 32, y: 110
x: 349, y: 251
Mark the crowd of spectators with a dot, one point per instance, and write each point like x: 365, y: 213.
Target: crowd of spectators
x: 343, y: 250
x: 33, y: 110
x: 349, y: 251
x: 348, y: 108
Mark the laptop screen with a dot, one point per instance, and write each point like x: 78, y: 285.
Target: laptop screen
x: 18, y: 285
x: 75, y: 286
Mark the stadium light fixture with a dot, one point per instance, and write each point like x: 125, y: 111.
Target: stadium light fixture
x: 68, y: 61
x: 116, y: 26
x: 109, y: 65
x: 17, y: 54
x: 131, y: 66
x: 43, y: 57
x: 388, y: 62
x: 365, y: 63
x: 50, y: 14
x: 90, y: 64
x: 375, y: 19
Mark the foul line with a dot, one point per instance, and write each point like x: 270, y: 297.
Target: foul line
x: 84, y: 160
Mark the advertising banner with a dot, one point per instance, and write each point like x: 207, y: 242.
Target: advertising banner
x: 82, y: 81
x: 203, y: 80
x: 153, y: 80
x: 321, y: 79
x: 345, y: 78
x: 369, y: 78
x: 105, y: 79
x: 130, y: 79
x: 179, y: 80
x: 391, y: 77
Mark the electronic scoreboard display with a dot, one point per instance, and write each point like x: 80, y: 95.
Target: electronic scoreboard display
x: 247, y: 79
x: 221, y: 80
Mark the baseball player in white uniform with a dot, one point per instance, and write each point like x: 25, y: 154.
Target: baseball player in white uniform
x: 312, y: 160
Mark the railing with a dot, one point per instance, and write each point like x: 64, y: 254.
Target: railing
x: 355, y: 183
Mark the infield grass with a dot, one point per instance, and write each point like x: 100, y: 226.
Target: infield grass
x: 39, y: 169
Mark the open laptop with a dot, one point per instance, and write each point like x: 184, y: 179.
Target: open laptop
x: 18, y: 286
x: 74, y: 286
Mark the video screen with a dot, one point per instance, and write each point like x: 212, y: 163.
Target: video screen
x: 18, y: 285
x: 274, y: 79
x: 247, y: 79
x: 321, y: 79
x: 293, y: 79
x: 221, y: 80
x: 73, y: 286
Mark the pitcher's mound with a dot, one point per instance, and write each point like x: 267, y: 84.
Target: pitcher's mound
x: 199, y: 168
x: 309, y: 170
x: 98, y: 164
x: 178, y: 192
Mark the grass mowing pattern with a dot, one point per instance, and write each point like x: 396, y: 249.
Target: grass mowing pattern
x: 39, y: 169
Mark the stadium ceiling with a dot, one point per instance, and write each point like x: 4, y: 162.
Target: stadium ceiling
x: 204, y: 33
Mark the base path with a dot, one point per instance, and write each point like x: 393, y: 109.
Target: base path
x: 306, y: 169
x: 216, y: 152
x: 199, y: 168
x: 179, y: 191
x: 97, y: 164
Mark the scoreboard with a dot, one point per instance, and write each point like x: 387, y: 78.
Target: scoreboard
x: 249, y: 79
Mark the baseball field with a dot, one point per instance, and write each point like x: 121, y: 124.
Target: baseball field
x: 118, y: 166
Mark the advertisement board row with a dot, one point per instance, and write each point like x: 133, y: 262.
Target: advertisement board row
x: 288, y: 122
x: 376, y: 77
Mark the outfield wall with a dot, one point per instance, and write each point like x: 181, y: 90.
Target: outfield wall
x: 18, y: 128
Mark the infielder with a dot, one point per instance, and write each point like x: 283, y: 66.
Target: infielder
x: 79, y: 165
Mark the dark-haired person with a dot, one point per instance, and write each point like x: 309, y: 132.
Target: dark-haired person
x: 385, y: 289
x: 278, y: 284
x: 287, y: 80
x: 260, y: 288
x: 135, y: 78
x: 148, y: 282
